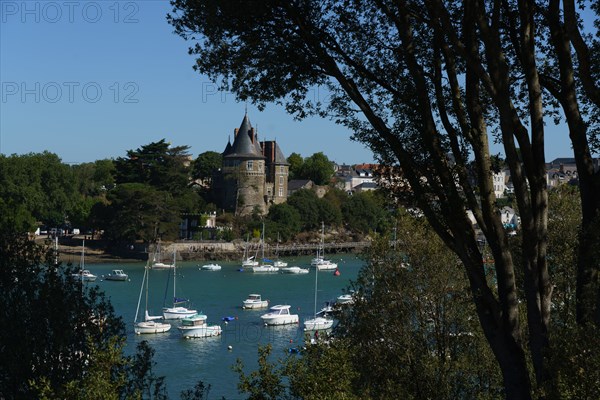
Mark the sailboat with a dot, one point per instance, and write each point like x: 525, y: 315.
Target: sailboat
x: 318, y: 322
x: 83, y: 275
x: 177, y: 311
x: 278, y: 262
x: 149, y: 324
x: 248, y: 260
x: 319, y: 261
x: 156, y: 260
x: 264, y: 267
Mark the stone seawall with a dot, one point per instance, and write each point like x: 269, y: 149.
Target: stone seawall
x: 235, y: 250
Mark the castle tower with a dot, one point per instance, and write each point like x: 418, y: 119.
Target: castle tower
x: 243, y: 172
x: 277, y: 171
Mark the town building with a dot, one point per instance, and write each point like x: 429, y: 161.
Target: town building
x: 254, y: 174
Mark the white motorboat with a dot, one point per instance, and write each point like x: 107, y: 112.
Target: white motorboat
x: 255, y: 301
x: 280, y: 264
x: 318, y: 322
x: 211, y: 267
x: 178, y: 311
x: 345, y: 299
x: 149, y: 324
x: 195, y: 326
x: 279, y: 315
x: 84, y: 275
x: 325, y: 265
x: 265, y: 268
x: 294, y: 270
x: 117, y: 275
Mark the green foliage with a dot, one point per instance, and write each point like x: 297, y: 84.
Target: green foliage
x: 296, y: 161
x: 412, y: 331
x: 283, y: 219
x: 155, y: 164
x: 324, y: 371
x: 205, y: 165
x: 139, y: 211
x: 94, y: 179
x: 40, y: 184
x: 61, y: 326
x: 263, y: 384
x: 364, y: 212
x: 564, y: 224
x: 317, y: 168
x: 574, y: 363
x: 313, y: 210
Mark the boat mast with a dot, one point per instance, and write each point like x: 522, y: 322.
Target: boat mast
x: 316, y: 277
x: 174, y: 279
x: 144, y: 281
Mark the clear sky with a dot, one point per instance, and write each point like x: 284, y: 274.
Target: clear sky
x: 89, y: 80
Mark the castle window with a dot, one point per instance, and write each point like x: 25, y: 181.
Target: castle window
x: 280, y: 180
x: 281, y: 169
x: 280, y: 192
x: 250, y: 165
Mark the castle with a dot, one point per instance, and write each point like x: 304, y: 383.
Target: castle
x: 254, y: 175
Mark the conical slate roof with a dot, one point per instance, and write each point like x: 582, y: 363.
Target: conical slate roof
x: 242, y: 146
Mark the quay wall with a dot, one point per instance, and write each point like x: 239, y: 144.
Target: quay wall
x: 235, y: 250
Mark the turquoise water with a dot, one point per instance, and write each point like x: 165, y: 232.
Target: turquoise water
x: 218, y: 294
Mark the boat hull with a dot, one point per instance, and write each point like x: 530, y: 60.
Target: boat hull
x: 211, y: 267
x: 326, y: 266
x: 149, y: 327
x: 318, y: 323
x: 294, y: 270
x: 177, y: 313
x: 256, y: 304
x: 117, y: 278
x: 264, y: 269
x: 280, y: 319
x: 200, y: 332
x: 160, y: 265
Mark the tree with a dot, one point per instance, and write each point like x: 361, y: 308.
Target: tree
x: 364, y: 213
x: 138, y: 211
x: 205, y: 166
x: 427, y: 84
x: 156, y: 164
x: 40, y: 183
x: 285, y: 221
x: 433, y: 348
x: 317, y: 168
x: 295, y: 160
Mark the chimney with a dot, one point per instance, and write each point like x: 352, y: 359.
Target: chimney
x: 235, y: 132
x: 272, y: 151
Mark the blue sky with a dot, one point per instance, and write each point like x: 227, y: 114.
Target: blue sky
x: 92, y: 79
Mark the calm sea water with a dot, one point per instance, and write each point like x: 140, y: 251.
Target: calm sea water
x: 219, y: 294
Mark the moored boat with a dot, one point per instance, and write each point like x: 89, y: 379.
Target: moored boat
x: 279, y: 315
x: 294, y: 270
x: 194, y: 326
x: 117, y: 275
x: 255, y: 301
x: 211, y: 267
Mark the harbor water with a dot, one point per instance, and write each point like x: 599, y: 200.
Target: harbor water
x: 219, y: 294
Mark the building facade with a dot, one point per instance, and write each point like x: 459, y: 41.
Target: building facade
x: 254, y: 174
